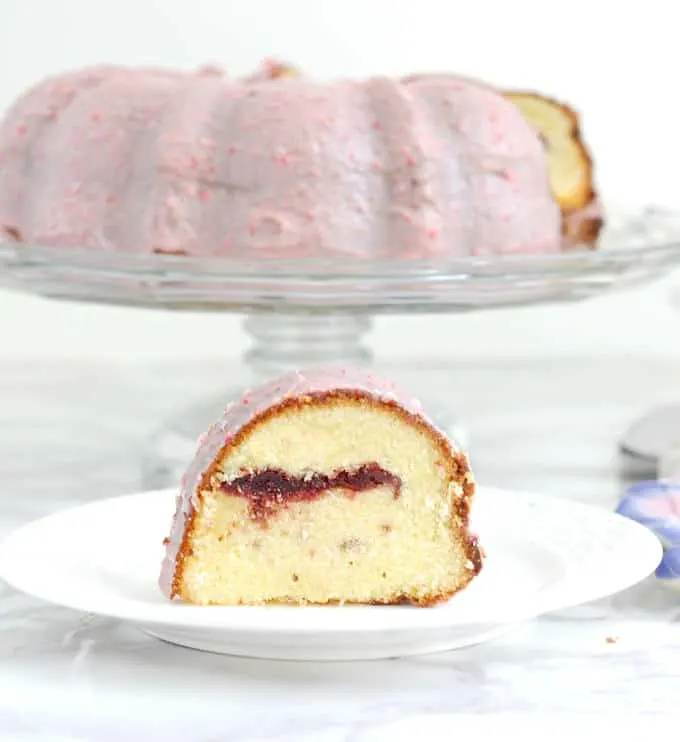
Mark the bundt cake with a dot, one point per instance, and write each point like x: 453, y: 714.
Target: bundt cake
x: 193, y: 163
x: 324, y: 486
x: 570, y: 165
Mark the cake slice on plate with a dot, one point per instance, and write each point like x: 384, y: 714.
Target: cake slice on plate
x: 323, y: 486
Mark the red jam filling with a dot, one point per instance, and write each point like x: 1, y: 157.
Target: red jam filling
x: 270, y: 489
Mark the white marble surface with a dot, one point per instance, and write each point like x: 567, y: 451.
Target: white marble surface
x: 73, y: 431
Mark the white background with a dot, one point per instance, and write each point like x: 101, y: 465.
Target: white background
x: 616, y: 62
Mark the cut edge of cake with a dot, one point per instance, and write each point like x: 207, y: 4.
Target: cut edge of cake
x: 570, y: 164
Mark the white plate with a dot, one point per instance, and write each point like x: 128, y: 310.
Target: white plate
x: 543, y: 554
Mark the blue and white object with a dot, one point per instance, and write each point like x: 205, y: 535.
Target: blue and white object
x: 656, y: 505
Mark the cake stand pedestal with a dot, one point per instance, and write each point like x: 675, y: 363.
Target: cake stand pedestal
x: 286, y: 341
x: 304, y: 312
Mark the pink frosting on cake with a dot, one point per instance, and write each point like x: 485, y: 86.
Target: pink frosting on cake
x: 252, y: 404
x: 152, y: 160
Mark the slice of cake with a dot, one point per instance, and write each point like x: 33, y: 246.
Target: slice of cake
x: 570, y: 165
x: 323, y: 486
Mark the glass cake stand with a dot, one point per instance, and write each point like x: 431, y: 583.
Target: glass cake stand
x: 304, y: 312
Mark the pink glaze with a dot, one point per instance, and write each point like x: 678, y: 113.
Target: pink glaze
x: 144, y: 160
x: 252, y: 404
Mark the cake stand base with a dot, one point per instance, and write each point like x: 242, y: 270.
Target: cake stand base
x: 281, y: 342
